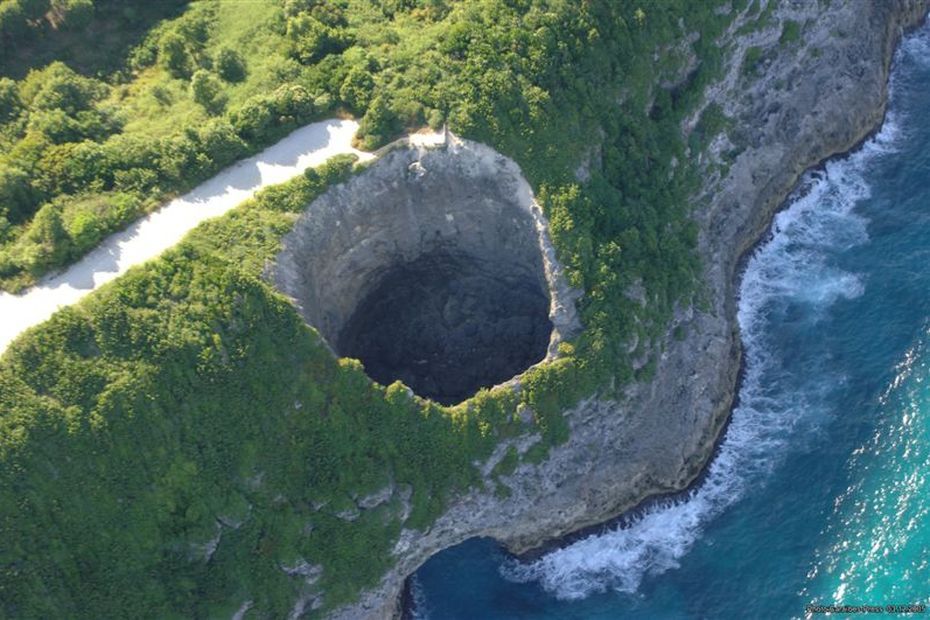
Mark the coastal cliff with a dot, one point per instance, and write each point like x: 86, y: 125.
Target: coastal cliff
x: 791, y: 105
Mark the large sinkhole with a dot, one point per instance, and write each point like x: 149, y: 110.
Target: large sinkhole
x: 433, y: 267
x: 447, y: 324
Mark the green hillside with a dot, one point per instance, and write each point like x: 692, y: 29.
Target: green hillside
x: 169, y: 446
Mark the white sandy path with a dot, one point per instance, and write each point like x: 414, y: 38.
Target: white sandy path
x: 150, y: 236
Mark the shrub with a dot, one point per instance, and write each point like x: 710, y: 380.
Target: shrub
x: 10, y: 105
x: 173, y: 55
x: 379, y: 124
x: 13, y: 24
x: 77, y: 13
x: 310, y: 39
x: 752, y: 59
x: 57, y: 87
x: 207, y: 91
x: 16, y: 194
x: 229, y: 65
x: 356, y: 89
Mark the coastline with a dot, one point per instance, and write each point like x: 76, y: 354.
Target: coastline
x: 636, y: 511
x: 726, y: 247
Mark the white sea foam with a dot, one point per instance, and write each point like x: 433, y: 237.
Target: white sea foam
x: 421, y: 610
x: 917, y: 47
x: 150, y: 236
x: 790, y: 271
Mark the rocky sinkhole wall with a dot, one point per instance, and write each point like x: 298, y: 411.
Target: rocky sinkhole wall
x: 432, y: 266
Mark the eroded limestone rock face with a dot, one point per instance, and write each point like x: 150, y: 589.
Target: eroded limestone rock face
x: 433, y: 266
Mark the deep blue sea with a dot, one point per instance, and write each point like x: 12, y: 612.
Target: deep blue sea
x: 820, y: 493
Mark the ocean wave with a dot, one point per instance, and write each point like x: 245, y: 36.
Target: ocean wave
x: 792, y: 270
x: 420, y: 609
x: 917, y: 48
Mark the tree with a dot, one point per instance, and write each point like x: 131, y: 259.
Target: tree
x: 253, y: 119
x: 16, y: 195
x: 55, y: 125
x: 77, y: 13
x: 59, y: 127
x: 356, y: 89
x: 295, y: 7
x: 219, y: 141
x: 207, y: 91
x: 34, y: 9
x: 57, y: 87
x: 12, y: 21
x: 229, y: 65
x: 85, y: 229
x: 10, y: 105
x: 292, y: 102
x: 73, y: 166
x: 379, y: 124
x: 310, y: 39
x: 173, y: 55
x: 45, y: 243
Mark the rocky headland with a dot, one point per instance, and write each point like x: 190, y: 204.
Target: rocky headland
x: 799, y: 103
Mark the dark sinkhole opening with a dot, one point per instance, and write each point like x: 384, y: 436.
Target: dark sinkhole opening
x: 431, y: 266
x: 448, y: 324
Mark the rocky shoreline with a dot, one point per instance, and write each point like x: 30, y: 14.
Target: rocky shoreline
x: 803, y: 103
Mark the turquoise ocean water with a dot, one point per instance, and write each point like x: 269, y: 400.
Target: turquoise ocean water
x: 820, y: 493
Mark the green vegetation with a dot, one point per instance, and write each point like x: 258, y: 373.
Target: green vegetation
x: 752, y: 59
x: 137, y: 133
x: 190, y: 395
x: 187, y: 399
x: 759, y: 17
x: 791, y: 32
x: 711, y: 123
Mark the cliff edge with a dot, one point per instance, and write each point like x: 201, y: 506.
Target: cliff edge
x: 791, y: 104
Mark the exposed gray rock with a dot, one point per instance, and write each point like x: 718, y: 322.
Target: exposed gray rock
x: 243, y: 609
x: 377, y: 498
x: 205, y: 550
x: 808, y: 102
x: 349, y: 514
x: 434, y: 266
x: 403, y: 494
x: 233, y: 522
x: 309, y: 572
